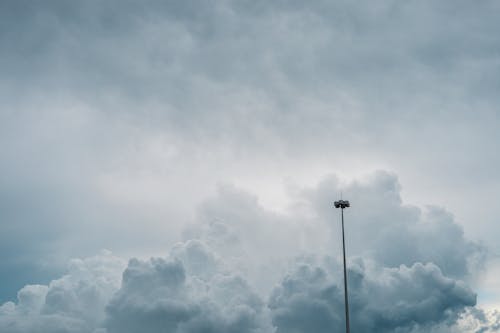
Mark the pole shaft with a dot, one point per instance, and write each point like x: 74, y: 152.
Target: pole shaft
x: 347, y: 326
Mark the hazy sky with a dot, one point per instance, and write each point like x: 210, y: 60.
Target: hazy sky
x: 224, y: 130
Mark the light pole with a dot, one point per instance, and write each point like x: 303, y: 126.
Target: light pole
x: 344, y: 204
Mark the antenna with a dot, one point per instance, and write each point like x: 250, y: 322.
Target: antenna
x: 344, y: 204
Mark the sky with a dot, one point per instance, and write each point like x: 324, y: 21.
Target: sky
x: 172, y: 165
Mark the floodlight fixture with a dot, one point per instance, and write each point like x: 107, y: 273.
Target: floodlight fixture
x: 344, y: 204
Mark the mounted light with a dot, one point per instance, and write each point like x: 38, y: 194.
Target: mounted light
x: 342, y: 204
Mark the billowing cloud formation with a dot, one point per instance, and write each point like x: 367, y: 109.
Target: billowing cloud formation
x: 224, y: 278
x: 73, y: 303
x: 382, y: 299
x: 392, y: 232
x: 166, y: 295
x: 379, y: 225
x: 190, y: 291
x: 117, y: 118
x: 113, y: 111
x: 480, y: 321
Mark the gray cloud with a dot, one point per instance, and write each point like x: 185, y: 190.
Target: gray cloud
x: 164, y: 295
x: 379, y: 226
x: 112, y: 112
x: 73, y: 303
x: 392, y: 232
x: 203, y: 70
x: 483, y: 321
x: 205, y: 284
x: 192, y: 290
x: 135, y: 96
x: 399, y: 299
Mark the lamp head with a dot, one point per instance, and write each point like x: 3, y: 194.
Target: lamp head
x: 342, y: 204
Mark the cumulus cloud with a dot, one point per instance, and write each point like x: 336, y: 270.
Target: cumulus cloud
x: 414, y: 248
x: 226, y: 277
x: 117, y: 110
x: 165, y: 294
x: 181, y: 293
x: 73, y: 303
x: 188, y: 291
x: 382, y: 226
x: 118, y: 118
x: 481, y: 321
x: 403, y: 299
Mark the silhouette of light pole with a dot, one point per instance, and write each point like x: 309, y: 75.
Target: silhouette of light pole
x: 344, y: 204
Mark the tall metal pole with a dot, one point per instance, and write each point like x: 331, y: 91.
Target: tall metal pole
x: 346, y: 298
x: 344, y: 204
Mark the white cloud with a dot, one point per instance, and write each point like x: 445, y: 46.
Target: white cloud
x: 115, y: 111
x: 235, y: 271
x: 166, y: 294
x: 73, y: 303
x: 403, y: 299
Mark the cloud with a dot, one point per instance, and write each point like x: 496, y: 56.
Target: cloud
x: 261, y: 77
x: 118, y: 118
x: 245, y: 268
x: 163, y: 294
x: 182, y: 293
x: 402, y: 299
x: 117, y: 110
x: 381, y: 226
x: 73, y: 303
x: 481, y: 321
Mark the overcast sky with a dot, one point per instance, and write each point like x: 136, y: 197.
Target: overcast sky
x: 149, y: 129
